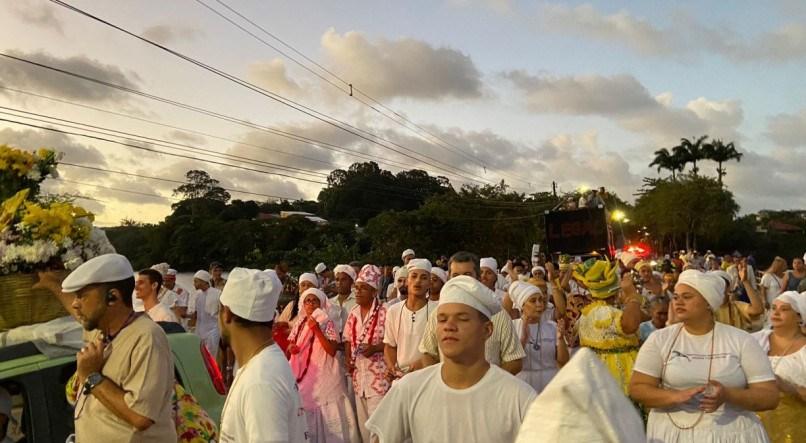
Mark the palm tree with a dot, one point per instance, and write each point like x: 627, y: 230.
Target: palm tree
x: 720, y: 152
x: 665, y: 160
x: 695, y: 151
x: 681, y: 157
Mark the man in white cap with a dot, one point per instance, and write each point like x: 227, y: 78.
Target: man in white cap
x: 503, y: 349
x: 205, y: 319
x: 438, y: 279
x: 344, y: 300
x: 405, y: 322
x: 396, y: 292
x: 488, y: 267
x: 184, y: 298
x: 263, y: 404
x: 146, y: 287
x: 125, y: 373
x: 407, y: 256
x: 441, y: 402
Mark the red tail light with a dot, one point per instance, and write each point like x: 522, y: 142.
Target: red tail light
x: 213, y: 370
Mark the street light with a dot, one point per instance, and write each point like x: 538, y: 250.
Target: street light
x: 618, y: 215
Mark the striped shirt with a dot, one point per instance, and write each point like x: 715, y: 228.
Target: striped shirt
x: 502, y: 346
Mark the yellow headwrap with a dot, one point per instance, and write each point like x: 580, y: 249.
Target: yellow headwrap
x: 599, y: 276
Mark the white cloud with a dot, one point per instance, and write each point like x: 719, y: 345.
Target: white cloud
x: 37, y: 14
x: 788, y: 130
x: 24, y: 76
x: 272, y: 75
x: 173, y: 33
x: 625, y: 101
x: 402, y: 68
x: 687, y: 35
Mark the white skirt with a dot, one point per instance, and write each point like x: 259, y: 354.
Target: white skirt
x: 538, y: 379
x: 744, y: 427
x: 333, y: 422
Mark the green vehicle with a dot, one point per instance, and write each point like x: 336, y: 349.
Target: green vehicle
x: 37, y: 385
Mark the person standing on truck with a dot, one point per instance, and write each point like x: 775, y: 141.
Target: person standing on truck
x: 125, y: 373
x: 263, y: 403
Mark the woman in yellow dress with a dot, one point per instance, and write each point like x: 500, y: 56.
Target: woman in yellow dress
x: 786, y: 348
x: 606, y: 329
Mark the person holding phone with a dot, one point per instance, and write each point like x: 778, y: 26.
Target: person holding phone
x: 321, y: 379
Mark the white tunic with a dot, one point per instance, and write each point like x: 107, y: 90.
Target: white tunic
x: 160, y: 313
x: 540, y: 365
x: 207, y: 318
x: 738, y: 360
x: 263, y: 404
x: 420, y: 407
x: 404, y: 329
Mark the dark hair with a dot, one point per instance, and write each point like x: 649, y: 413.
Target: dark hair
x: 153, y: 276
x: 251, y: 324
x: 465, y: 257
x: 125, y: 287
x: 215, y: 264
x: 355, y: 263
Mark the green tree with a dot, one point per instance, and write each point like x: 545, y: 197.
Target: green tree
x: 720, y: 152
x: 201, y: 186
x: 690, y: 209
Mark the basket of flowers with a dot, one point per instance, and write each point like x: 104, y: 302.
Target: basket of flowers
x: 38, y: 232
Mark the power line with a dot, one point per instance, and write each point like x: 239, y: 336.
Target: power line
x: 168, y: 180
x: 417, y: 129
x: 128, y: 191
x: 164, y: 143
x: 344, y: 126
x: 224, y: 117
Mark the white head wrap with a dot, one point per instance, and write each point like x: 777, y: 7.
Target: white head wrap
x: 171, y: 272
x: 320, y: 268
x: 710, y: 286
x: 252, y: 294
x: 203, y: 276
x: 627, y: 257
x: 489, y: 263
x: 537, y: 269
x: 797, y: 301
x: 419, y: 263
x: 471, y: 292
x: 407, y: 253
x: 345, y: 269
x: 439, y: 272
x: 101, y: 269
x: 401, y: 272
x: 318, y: 293
x: 310, y: 278
x: 520, y: 291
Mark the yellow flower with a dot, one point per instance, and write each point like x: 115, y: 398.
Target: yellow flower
x: 57, y: 222
x: 10, y: 206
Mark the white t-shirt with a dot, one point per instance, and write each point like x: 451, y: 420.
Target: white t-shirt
x: 160, y: 313
x: 738, y: 360
x: 792, y: 367
x: 422, y: 408
x: 166, y: 297
x: 207, y: 318
x: 341, y: 310
x: 263, y: 404
x: 404, y: 329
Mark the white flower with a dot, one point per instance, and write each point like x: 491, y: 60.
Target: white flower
x: 34, y: 174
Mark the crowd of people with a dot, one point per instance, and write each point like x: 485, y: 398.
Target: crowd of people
x: 457, y: 350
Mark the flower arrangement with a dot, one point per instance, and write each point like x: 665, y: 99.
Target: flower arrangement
x: 36, y: 231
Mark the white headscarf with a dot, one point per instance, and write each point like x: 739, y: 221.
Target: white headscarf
x: 419, y: 263
x: 489, y: 263
x: 710, y: 286
x: 310, y: 278
x: 323, y: 303
x: 345, y: 269
x: 471, y: 292
x: 797, y: 301
x: 439, y: 272
x: 520, y: 292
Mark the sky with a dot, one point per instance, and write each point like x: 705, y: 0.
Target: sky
x: 577, y: 93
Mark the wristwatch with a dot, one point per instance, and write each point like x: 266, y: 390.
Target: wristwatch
x: 93, y: 380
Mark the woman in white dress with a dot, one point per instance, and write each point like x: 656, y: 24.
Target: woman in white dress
x: 542, y: 340
x: 703, y: 380
x: 785, y: 345
x: 320, y: 377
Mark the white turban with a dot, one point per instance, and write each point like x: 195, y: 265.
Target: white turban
x: 318, y: 293
x: 320, y: 268
x: 407, y: 253
x: 203, y: 276
x: 345, y: 269
x: 489, y: 263
x: 520, y: 291
x: 310, y: 278
x: 710, y: 286
x: 537, y: 269
x: 252, y: 294
x: 401, y: 272
x: 419, y: 263
x: 471, y: 292
x: 439, y: 272
x: 797, y: 301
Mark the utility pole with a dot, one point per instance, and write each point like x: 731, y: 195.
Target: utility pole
x: 554, y: 188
